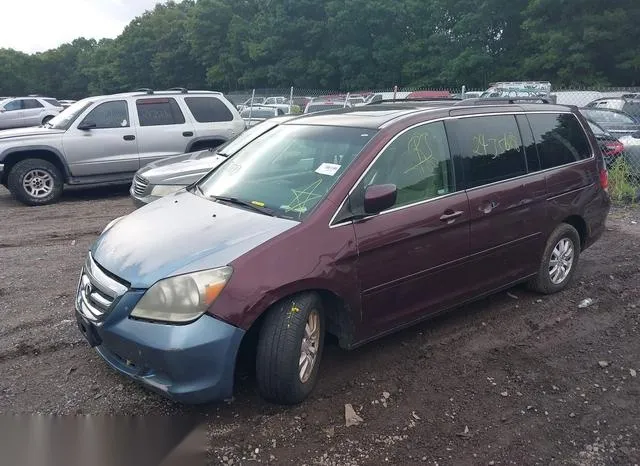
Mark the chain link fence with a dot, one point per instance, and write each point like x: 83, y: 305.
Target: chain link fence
x: 614, y: 116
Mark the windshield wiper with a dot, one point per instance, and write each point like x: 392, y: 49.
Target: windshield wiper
x: 240, y: 202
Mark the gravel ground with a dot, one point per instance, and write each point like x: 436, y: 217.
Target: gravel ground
x: 513, y: 379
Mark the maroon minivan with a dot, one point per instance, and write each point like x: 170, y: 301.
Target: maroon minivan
x: 356, y: 222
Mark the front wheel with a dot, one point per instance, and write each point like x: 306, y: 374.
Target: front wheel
x: 290, y: 348
x: 559, y: 260
x: 35, y: 182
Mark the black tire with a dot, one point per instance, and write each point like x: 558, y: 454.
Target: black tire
x: 279, y: 350
x: 46, y: 119
x: 543, y: 283
x: 25, y: 167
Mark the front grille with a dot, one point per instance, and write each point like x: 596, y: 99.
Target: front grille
x: 97, y: 291
x: 140, y: 185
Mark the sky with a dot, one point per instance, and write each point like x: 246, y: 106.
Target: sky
x: 38, y: 25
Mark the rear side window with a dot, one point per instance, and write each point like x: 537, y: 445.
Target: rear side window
x: 559, y: 138
x: 31, y: 103
x: 159, y: 112
x: 208, y: 109
x: 487, y: 149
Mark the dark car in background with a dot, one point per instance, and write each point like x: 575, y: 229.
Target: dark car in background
x: 358, y: 222
x: 611, y: 147
x: 628, y: 103
x: 614, y: 121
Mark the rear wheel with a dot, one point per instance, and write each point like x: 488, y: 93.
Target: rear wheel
x: 290, y: 348
x: 35, y: 182
x: 559, y: 260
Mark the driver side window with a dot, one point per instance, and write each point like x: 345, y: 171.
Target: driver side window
x: 108, y: 115
x: 418, y: 162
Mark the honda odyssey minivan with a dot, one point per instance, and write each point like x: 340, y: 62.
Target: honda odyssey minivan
x: 357, y: 223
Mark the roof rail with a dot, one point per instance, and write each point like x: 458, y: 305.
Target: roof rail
x: 182, y: 90
x: 505, y: 100
x: 421, y: 99
x: 146, y: 90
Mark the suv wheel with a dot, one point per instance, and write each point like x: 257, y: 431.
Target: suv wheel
x: 289, y: 349
x: 35, y: 182
x: 559, y: 260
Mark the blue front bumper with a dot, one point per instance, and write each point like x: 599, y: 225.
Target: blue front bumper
x: 192, y: 363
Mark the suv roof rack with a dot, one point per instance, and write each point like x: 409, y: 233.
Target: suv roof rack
x: 505, y: 100
x: 146, y: 90
x: 182, y: 90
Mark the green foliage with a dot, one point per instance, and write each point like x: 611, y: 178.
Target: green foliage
x: 344, y: 44
x: 623, y: 184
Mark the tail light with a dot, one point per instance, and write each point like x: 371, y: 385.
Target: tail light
x: 613, y: 148
x: 604, y: 179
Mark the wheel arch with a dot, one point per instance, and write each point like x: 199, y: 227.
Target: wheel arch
x: 338, y: 317
x: 49, y: 154
x: 577, y: 222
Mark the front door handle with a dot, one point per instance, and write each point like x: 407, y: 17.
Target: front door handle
x: 187, y: 134
x: 129, y: 137
x: 449, y: 215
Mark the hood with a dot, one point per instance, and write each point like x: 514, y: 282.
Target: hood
x: 28, y: 132
x: 181, y: 170
x: 181, y: 233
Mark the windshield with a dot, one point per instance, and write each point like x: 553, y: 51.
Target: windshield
x: 288, y: 170
x: 241, y: 140
x: 605, y: 116
x: 66, y: 118
x: 596, y: 129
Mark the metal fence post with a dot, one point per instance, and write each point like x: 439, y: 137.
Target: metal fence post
x: 253, y: 96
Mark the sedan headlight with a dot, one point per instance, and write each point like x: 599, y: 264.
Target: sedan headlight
x: 183, y: 298
x: 161, y: 190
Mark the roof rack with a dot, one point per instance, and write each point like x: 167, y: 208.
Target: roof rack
x: 505, y: 100
x: 420, y: 99
x: 182, y: 90
x: 146, y: 90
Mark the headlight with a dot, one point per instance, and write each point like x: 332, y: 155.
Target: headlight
x: 165, y: 189
x: 183, y: 298
x: 112, y: 223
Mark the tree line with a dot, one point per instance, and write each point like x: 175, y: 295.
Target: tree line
x: 343, y: 45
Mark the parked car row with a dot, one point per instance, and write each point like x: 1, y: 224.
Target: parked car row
x: 19, y: 112
x: 355, y: 222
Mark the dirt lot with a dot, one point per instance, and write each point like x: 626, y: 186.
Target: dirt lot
x: 514, y: 379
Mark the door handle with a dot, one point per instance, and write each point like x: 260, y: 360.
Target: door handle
x: 449, y: 215
x: 187, y: 134
x: 129, y: 137
x: 487, y: 206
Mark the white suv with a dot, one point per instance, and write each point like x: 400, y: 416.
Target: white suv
x: 17, y: 112
x: 106, y: 139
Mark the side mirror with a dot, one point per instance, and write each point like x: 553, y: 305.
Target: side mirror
x: 379, y: 197
x: 86, y: 126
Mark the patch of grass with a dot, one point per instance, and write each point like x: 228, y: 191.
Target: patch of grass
x: 623, y: 185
